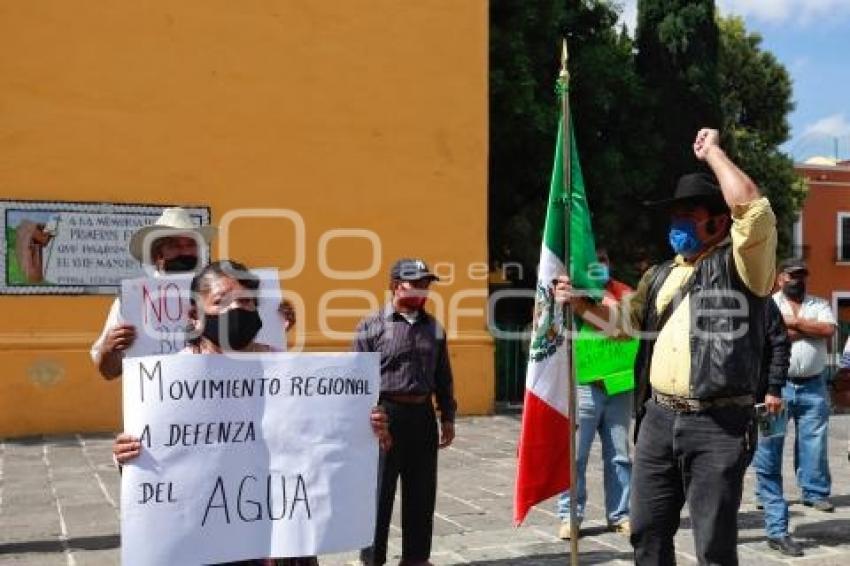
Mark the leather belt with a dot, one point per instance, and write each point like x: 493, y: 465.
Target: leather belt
x: 686, y: 405
x: 406, y: 398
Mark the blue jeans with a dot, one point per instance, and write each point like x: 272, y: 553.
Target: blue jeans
x: 611, y: 417
x: 808, y: 406
x: 768, y: 466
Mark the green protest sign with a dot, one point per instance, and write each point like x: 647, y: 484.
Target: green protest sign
x: 601, y: 358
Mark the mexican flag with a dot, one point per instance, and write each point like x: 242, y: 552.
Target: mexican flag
x: 544, y: 445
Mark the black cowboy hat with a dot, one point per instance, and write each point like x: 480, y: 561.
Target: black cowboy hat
x: 695, y: 188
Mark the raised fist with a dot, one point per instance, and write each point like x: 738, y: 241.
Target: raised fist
x: 706, y: 140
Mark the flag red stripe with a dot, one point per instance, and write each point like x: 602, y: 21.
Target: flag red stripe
x: 544, y: 455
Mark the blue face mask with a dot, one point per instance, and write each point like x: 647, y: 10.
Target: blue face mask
x: 683, y: 237
x: 603, y: 273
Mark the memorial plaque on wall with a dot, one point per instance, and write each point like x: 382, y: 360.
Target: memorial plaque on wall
x: 72, y: 248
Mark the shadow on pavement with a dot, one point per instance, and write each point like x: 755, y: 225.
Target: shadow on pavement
x: 746, y: 520
x: 592, y: 531
x: 561, y: 558
x: 840, y: 500
x: 103, y: 542
x: 831, y: 532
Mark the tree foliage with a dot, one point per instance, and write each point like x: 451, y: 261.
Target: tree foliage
x: 611, y: 126
x: 677, y: 52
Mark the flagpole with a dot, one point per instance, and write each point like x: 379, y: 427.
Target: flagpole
x: 564, y: 80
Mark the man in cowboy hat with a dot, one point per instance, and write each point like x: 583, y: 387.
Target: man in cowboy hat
x: 700, y: 318
x: 169, y: 245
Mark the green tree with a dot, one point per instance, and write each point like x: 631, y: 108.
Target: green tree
x: 756, y: 100
x: 523, y: 64
x: 615, y: 139
x: 677, y: 43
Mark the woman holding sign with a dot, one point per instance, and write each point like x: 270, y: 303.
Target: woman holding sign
x: 224, y: 318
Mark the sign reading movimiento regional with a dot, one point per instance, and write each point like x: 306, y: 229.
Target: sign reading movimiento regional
x: 248, y: 456
x: 72, y: 247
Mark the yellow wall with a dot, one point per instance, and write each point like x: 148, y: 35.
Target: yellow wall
x: 357, y: 114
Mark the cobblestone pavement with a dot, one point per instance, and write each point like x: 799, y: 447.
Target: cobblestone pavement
x: 58, y: 505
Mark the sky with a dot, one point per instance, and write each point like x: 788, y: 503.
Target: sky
x: 812, y: 39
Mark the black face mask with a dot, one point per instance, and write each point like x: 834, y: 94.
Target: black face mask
x: 180, y: 263
x: 795, y: 289
x: 241, y: 326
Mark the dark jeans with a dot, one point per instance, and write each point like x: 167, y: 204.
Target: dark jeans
x: 699, y: 458
x: 413, y: 457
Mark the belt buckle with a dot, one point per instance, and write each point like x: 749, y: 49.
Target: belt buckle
x: 678, y: 404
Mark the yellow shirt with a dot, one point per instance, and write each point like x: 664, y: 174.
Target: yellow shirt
x: 753, y: 236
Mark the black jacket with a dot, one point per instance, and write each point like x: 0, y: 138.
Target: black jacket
x: 777, y: 352
x: 727, y: 331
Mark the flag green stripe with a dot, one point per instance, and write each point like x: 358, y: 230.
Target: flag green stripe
x: 583, y: 246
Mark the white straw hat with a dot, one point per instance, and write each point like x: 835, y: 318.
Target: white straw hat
x: 173, y: 222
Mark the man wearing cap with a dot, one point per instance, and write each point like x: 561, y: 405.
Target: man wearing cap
x: 700, y: 318
x: 811, y: 324
x: 170, y: 245
x: 414, y: 368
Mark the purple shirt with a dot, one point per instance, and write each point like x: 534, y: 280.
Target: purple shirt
x: 414, y: 356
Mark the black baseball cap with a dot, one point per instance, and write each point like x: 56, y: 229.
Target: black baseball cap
x: 411, y: 269
x: 793, y: 265
x: 696, y: 188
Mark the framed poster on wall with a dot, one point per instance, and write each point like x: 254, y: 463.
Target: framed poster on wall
x: 72, y: 248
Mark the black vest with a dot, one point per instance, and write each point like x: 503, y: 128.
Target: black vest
x: 726, y: 336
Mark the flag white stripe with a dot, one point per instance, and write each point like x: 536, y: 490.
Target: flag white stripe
x: 547, y: 379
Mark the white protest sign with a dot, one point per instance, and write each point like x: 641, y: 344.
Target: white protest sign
x: 159, y: 308
x: 248, y: 457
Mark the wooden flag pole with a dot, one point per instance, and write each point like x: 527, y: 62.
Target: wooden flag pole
x: 566, y: 159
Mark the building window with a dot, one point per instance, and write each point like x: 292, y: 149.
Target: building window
x: 843, y: 232
x: 841, y: 307
x: 797, y: 238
